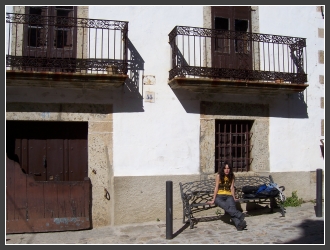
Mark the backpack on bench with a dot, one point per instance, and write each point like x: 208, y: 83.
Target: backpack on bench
x: 261, y: 191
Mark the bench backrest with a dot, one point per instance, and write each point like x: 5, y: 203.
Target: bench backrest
x: 241, y: 181
x: 195, y: 187
x: 198, y: 188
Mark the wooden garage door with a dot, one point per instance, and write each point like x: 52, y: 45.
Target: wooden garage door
x: 47, y: 188
x: 49, y: 150
x: 45, y: 206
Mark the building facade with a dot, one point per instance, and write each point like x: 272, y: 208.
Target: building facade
x: 165, y: 93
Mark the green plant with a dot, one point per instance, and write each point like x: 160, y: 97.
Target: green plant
x: 313, y: 201
x: 218, y: 212
x: 293, y: 201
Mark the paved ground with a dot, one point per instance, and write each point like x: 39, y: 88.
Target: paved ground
x: 299, y: 226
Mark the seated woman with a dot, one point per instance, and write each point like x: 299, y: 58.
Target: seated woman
x: 224, y: 195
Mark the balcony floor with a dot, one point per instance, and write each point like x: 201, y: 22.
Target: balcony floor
x: 64, y: 80
x: 207, y: 85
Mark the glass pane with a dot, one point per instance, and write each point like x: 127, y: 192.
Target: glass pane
x: 241, y: 44
x: 37, y: 37
x: 64, y: 27
x: 222, y: 45
x: 221, y: 23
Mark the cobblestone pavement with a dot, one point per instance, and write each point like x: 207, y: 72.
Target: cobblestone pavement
x: 299, y: 226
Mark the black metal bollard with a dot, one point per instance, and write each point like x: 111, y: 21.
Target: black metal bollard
x: 318, y: 209
x: 169, y: 209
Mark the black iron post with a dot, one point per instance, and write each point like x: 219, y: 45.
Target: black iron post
x: 169, y: 209
x: 318, y: 209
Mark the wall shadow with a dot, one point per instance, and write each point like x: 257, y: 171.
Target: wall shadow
x: 126, y: 98
x: 132, y: 99
x: 313, y: 233
x: 135, y: 68
x: 283, y: 106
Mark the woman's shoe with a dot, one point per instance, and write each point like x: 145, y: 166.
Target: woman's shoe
x: 241, y: 225
x: 242, y: 217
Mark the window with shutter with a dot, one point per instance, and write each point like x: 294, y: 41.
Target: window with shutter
x: 231, y: 48
x: 50, y: 33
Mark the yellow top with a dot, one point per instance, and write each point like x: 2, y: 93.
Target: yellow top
x: 225, y: 187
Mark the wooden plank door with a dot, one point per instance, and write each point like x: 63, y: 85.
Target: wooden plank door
x: 45, y: 206
x: 55, y: 159
x: 78, y: 159
x: 232, y: 50
x: 37, y: 159
x: 51, y: 190
x: 49, y: 151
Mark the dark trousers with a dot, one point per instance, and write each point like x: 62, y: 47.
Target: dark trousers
x: 227, y: 203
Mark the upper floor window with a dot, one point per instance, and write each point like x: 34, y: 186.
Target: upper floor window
x: 230, y: 47
x: 50, y: 31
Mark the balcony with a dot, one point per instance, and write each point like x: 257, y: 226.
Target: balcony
x: 222, y: 61
x: 57, y: 51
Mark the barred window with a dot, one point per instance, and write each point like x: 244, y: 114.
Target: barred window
x: 233, y: 144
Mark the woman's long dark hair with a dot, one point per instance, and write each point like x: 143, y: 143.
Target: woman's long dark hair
x: 222, y: 175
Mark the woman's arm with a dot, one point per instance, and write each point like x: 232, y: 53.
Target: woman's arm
x: 215, y: 189
x: 232, y: 189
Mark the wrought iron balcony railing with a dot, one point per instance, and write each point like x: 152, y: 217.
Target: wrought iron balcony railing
x: 65, y: 44
x: 236, y: 55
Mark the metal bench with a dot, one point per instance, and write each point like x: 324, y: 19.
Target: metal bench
x: 195, y: 194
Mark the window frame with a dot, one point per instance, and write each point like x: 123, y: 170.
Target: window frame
x: 47, y: 26
x: 227, y: 149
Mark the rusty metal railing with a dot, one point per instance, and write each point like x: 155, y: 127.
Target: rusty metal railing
x: 66, y: 44
x: 200, y: 52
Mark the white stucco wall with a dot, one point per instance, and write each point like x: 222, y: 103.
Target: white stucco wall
x: 9, y: 9
x: 164, y: 138
x: 295, y: 142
